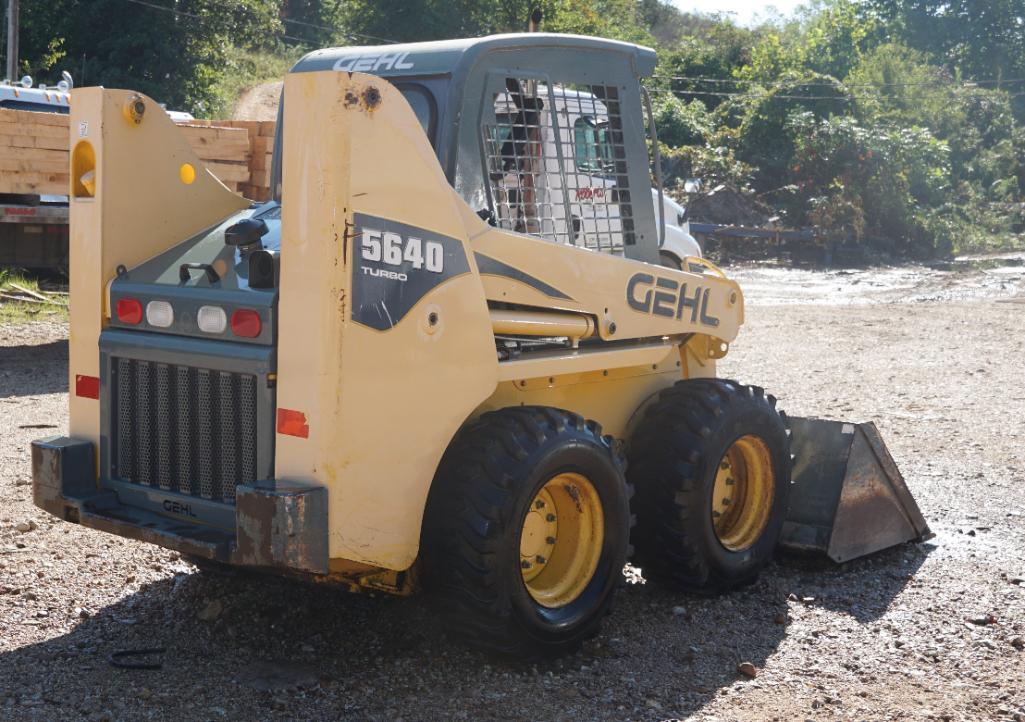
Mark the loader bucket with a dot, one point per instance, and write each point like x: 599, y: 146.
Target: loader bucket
x: 848, y: 499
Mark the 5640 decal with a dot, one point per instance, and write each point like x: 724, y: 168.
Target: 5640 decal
x: 394, y: 250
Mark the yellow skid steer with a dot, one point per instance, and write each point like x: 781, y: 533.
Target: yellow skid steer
x: 443, y: 356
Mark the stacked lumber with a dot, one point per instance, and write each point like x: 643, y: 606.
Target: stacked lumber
x: 224, y: 150
x: 33, y: 153
x: 261, y: 148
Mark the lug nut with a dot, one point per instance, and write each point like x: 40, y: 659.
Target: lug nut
x: 724, y: 465
x: 550, y: 517
x: 525, y: 564
x: 540, y: 559
x: 539, y: 504
x: 716, y: 514
x: 549, y: 540
x: 725, y: 501
x: 731, y: 482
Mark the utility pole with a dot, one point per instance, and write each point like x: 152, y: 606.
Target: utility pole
x: 12, y: 39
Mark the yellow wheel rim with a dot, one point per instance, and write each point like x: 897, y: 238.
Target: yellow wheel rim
x: 745, y: 485
x: 561, y: 540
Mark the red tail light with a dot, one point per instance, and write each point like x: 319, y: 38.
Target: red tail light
x: 129, y: 310
x: 293, y: 423
x: 87, y: 387
x: 245, y: 323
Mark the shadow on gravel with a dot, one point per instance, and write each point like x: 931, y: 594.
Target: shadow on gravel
x: 241, y: 646
x: 863, y: 588
x: 31, y: 370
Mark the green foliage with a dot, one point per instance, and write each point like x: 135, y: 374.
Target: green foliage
x: 680, y: 123
x: 175, y: 57
x: 835, y: 38
x: 712, y: 162
x: 971, y: 38
x: 13, y: 312
x: 896, y: 84
x: 877, y: 179
x: 243, y: 70
x: 900, y: 121
x: 766, y: 141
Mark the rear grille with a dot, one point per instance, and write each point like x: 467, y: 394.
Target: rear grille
x: 183, y: 429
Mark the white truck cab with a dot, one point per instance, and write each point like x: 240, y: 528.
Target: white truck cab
x: 679, y: 243
x: 534, y: 197
x: 20, y: 95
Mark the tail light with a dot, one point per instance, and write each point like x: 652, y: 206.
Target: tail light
x: 159, y: 314
x: 211, y: 319
x: 245, y: 323
x: 293, y: 423
x: 129, y: 311
x: 87, y: 387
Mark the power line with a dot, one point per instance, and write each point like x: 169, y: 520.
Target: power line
x: 166, y: 9
x: 336, y: 30
x: 679, y: 93
x: 932, y: 83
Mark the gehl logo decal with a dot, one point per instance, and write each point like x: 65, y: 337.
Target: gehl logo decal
x: 666, y: 297
x: 176, y: 507
x: 373, y: 63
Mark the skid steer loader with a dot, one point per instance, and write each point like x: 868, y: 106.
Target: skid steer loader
x: 437, y: 359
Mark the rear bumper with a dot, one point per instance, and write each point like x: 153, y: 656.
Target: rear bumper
x: 278, y: 524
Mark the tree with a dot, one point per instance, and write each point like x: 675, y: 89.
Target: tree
x: 978, y: 39
x: 174, y: 55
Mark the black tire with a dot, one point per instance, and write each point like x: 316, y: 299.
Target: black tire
x: 669, y: 260
x: 675, y: 456
x: 484, y: 488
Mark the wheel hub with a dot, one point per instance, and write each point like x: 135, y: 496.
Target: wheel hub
x: 742, y: 496
x: 561, y: 539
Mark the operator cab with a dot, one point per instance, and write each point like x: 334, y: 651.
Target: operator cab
x: 541, y: 134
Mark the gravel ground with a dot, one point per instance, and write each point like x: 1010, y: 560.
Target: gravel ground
x: 932, y: 631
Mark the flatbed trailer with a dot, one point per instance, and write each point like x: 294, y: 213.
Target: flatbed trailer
x: 34, y: 236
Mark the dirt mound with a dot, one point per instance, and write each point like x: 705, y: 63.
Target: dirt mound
x: 259, y: 102
x: 726, y: 205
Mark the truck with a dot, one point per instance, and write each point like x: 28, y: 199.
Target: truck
x: 33, y: 225
x: 34, y: 174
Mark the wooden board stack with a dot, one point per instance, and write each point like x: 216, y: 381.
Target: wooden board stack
x: 34, y: 153
x: 261, y: 148
x: 224, y: 149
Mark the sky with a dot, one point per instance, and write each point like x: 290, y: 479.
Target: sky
x: 745, y: 10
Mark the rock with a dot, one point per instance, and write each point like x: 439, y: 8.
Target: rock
x: 780, y: 618
x: 211, y: 611
x: 1018, y: 643
x: 679, y: 611
x: 747, y: 669
x: 24, y: 527
x: 982, y: 619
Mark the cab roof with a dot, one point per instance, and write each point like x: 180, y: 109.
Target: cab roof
x: 447, y: 57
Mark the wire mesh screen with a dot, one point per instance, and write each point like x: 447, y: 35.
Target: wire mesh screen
x: 557, y: 165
